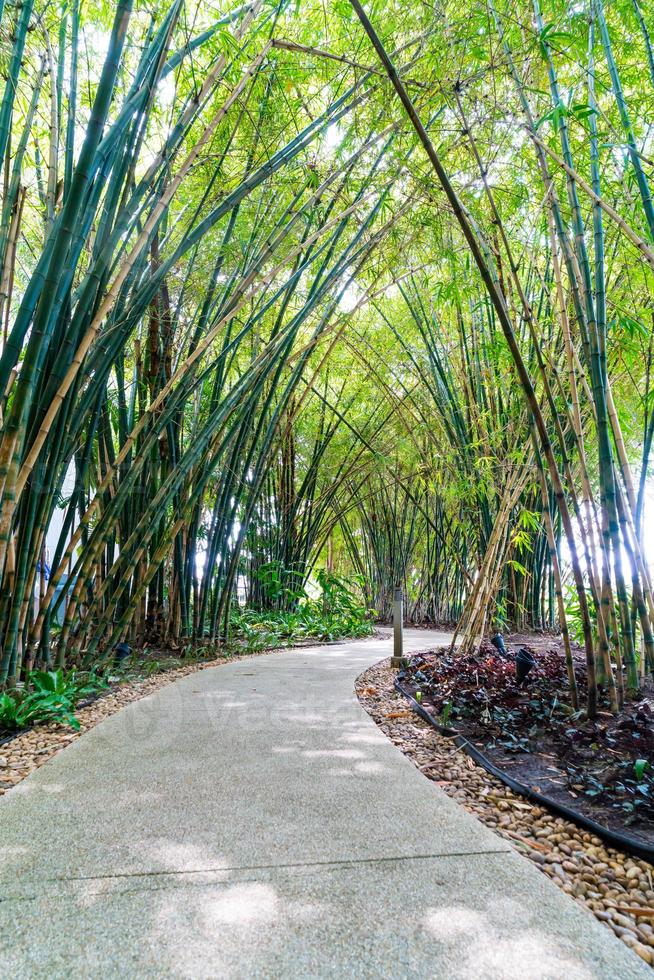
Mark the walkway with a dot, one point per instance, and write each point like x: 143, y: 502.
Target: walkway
x: 251, y: 821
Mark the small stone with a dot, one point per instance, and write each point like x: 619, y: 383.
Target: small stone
x: 622, y: 920
x: 644, y: 952
x: 598, y: 878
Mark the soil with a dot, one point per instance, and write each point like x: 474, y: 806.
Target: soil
x: 602, y: 768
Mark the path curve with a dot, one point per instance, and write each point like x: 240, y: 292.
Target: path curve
x: 252, y: 821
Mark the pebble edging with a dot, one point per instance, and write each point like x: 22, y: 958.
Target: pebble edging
x: 27, y: 751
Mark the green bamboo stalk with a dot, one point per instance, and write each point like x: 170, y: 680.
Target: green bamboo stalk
x: 502, y: 315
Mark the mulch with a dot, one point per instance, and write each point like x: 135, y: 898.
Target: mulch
x: 601, y: 768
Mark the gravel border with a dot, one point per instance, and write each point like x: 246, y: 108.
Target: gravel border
x: 618, y: 889
x: 29, y: 749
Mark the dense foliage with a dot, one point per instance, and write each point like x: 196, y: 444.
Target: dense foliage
x: 284, y: 288
x: 293, y: 616
x: 48, y: 696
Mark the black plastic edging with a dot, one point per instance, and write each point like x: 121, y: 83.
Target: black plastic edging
x: 632, y: 846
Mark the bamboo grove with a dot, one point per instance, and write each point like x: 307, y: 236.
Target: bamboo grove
x: 289, y: 286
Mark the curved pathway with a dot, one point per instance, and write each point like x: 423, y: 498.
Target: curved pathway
x: 251, y: 821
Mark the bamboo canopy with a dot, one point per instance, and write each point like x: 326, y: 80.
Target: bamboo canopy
x: 360, y: 286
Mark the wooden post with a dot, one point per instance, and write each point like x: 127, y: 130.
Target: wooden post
x: 398, y: 623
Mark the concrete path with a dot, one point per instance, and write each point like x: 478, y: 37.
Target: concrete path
x: 251, y: 821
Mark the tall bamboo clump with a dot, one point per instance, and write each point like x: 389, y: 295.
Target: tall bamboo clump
x: 170, y: 302
x: 598, y: 509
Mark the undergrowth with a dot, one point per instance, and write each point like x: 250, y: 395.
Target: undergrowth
x: 335, y: 614
x: 48, y: 696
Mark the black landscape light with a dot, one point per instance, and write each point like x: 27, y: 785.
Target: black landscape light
x: 523, y: 664
x: 499, y: 644
x: 123, y: 651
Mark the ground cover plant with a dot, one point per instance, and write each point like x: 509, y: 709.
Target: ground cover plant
x: 613, y: 885
x: 303, y: 304
x: 336, y: 613
x: 52, y: 696
x: 599, y: 767
x: 47, y: 697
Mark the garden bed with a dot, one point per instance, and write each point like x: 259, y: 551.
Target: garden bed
x: 602, y: 769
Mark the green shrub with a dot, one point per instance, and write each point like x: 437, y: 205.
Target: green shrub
x: 49, y: 696
x: 335, y: 614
